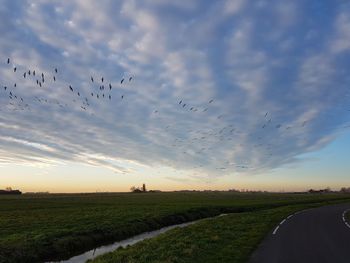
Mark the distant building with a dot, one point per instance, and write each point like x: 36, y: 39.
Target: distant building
x: 139, y: 189
x: 321, y: 191
x: 154, y: 191
x: 10, y: 192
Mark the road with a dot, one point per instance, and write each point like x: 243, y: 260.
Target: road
x: 315, y: 235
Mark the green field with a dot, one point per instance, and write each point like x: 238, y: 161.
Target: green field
x: 52, y: 227
x: 230, y: 238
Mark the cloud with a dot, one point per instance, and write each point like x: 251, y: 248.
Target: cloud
x: 259, y: 85
x: 340, y: 42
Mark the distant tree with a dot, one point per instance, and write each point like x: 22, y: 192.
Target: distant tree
x: 135, y: 189
x: 345, y: 190
x: 8, y: 188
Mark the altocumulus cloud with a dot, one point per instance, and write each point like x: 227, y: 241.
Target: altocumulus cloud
x: 217, y: 86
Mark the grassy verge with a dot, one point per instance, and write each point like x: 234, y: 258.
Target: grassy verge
x: 54, y: 227
x: 231, y: 238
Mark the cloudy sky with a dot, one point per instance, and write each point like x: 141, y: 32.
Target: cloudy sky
x: 195, y: 94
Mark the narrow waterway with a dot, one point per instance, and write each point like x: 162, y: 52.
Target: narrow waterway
x: 91, y: 254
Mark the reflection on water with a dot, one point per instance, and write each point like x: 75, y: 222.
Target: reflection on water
x: 130, y: 241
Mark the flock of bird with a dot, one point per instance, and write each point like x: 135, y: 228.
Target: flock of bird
x: 192, y: 141
x: 40, y: 79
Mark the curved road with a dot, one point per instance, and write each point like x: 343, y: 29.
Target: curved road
x: 315, y: 235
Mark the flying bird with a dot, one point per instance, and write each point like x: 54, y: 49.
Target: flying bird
x: 211, y: 101
x: 102, y: 79
x: 130, y: 79
x: 56, y: 70
x: 70, y: 87
x: 110, y: 86
x: 121, y: 82
x: 14, y: 69
x: 92, y: 79
x: 8, y: 61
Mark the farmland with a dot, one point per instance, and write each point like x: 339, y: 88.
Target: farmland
x: 231, y: 238
x: 35, y: 228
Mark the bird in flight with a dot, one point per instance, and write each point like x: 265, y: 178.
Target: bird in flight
x: 130, y: 79
x: 8, y: 61
x: 121, y: 82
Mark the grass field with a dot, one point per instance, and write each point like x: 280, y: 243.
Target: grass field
x: 51, y: 227
x: 231, y: 238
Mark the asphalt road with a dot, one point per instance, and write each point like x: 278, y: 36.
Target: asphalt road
x: 317, y: 235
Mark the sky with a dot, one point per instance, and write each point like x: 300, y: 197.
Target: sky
x: 175, y: 94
